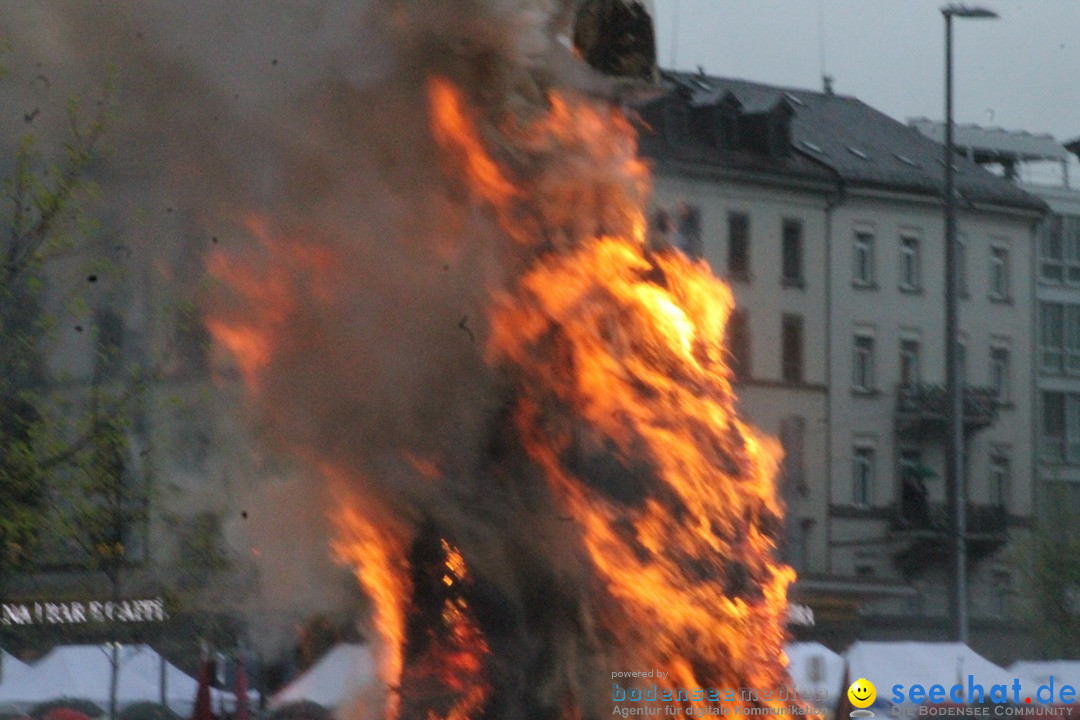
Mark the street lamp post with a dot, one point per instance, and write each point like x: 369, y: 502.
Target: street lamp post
x: 954, y: 415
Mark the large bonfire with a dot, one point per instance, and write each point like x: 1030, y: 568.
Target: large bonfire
x: 608, y: 513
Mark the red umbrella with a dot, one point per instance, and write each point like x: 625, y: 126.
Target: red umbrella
x: 241, y: 692
x: 203, y: 711
x: 65, y: 713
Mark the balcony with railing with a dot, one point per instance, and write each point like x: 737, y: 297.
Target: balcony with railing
x: 921, y: 408
x: 923, y: 530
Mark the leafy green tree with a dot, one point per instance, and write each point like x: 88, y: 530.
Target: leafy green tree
x: 64, y: 446
x: 42, y: 221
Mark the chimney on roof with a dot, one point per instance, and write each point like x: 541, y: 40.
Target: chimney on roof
x: 826, y: 82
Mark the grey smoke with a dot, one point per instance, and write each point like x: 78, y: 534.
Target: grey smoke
x: 312, y: 115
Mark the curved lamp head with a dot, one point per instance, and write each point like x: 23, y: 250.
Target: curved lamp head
x: 965, y: 11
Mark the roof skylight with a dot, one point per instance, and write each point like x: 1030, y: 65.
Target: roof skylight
x: 905, y: 159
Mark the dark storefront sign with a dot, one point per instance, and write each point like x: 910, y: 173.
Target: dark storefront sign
x: 82, y: 612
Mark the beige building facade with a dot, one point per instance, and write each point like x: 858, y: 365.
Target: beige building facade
x: 826, y: 218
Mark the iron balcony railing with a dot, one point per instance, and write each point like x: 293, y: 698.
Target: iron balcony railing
x: 926, y: 404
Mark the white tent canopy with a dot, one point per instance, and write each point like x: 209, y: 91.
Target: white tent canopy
x: 925, y: 663
x: 80, y: 671
x: 816, y: 671
x: 14, y: 673
x: 84, y: 672
x: 1042, y: 672
x: 339, y: 676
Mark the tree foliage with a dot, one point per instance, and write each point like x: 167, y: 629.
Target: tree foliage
x: 44, y: 435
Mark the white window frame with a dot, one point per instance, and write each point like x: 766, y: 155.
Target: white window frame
x: 1070, y: 248
x: 1051, y: 448
x: 863, y: 270
x: 863, y: 471
x: 999, y: 476
x: 913, y: 360
x: 1065, y: 449
x: 1052, y: 338
x: 910, y: 265
x: 862, y: 376
x: 999, y: 370
x: 1052, y: 266
x: 1071, y: 339
x: 999, y: 271
x: 796, y: 241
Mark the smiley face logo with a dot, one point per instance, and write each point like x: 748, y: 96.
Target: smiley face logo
x: 862, y: 693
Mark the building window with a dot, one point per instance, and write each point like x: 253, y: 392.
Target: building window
x: 1052, y: 337
x: 909, y: 362
x: 1070, y: 240
x: 999, y: 478
x: 739, y: 245
x: 688, y: 230
x: 1061, y: 427
x: 999, y: 273
x: 1072, y: 339
x: 1059, y: 249
x: 909, y: 263
x: 863, y: 368
x: 738, y: 336
x: 792, y: 259
x: 862, y: 475
x: 1053, y: 426
x: 1059, y: 338
x: 999, y: 371
x: 863, y: 273
x: 792, y: 438
x: 792, y: 348
x: 1051, y: 258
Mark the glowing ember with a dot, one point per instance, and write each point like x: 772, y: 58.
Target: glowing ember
x: 620, y: 517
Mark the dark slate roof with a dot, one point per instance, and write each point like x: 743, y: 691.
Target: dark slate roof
x: 665, y: 149
x: 855, y: 143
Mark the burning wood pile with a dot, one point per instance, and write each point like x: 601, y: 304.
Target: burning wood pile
x: 565, y: 494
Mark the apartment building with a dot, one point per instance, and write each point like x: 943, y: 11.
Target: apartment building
x: 1049, y: 170
x: 826, y: 217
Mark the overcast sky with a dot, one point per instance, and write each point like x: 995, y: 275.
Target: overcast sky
x: 1020, y: 72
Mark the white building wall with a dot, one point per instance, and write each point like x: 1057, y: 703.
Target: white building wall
x: 890, y: 312
x: 841, y: 539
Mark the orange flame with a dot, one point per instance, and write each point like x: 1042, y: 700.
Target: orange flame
x: 614, y: 349
x: 377, y: 556
x: 631, y: 342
